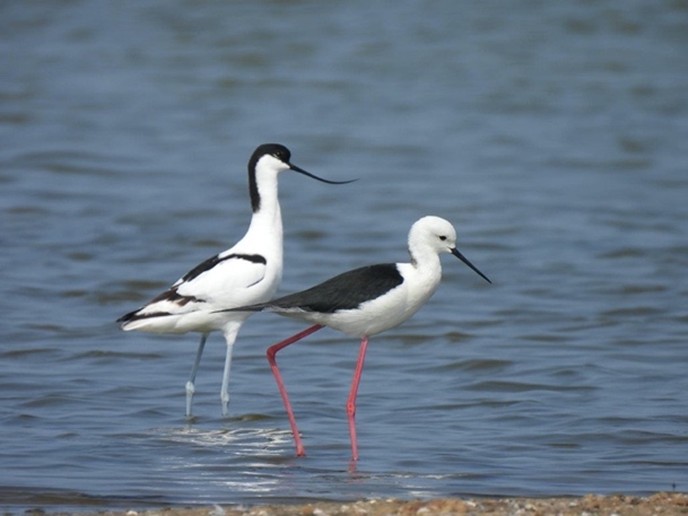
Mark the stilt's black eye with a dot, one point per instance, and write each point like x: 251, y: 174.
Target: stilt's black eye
x: 443, y: 238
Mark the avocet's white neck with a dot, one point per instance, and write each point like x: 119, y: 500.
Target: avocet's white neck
x: 267, y: 205
x: 265, y: 233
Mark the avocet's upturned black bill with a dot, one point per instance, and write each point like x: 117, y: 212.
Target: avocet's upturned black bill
x: 366, y: 301
x: 247, y: 273
x: 328, y: 181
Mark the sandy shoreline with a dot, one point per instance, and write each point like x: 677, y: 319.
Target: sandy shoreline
x: 657, y: 504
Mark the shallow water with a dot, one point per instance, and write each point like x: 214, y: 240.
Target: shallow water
x: 552, y: 134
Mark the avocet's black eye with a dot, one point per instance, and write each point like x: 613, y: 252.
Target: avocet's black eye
x: 443, y: 238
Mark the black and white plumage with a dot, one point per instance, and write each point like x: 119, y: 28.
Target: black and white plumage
x: 247, y: 273
x: 367, y: 301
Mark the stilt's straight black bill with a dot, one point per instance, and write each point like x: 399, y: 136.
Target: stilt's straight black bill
x: 302, y: 171
x: 461, y: 257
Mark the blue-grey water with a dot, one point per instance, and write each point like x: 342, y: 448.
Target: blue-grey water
x: 553, y: 134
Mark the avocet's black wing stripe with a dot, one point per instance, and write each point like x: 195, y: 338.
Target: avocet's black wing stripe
x: 213, y: 261
x: 196, y: 291
x: 170, y: 295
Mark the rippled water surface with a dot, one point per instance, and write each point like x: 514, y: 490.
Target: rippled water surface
x: 553, y: 134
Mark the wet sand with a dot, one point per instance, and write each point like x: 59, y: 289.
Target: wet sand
x: 590, y: 505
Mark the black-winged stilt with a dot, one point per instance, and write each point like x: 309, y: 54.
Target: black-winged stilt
x: 366, y: 301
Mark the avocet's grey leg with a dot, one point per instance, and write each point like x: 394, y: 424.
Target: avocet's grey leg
x: 230, y: 336
x: 190, y: 386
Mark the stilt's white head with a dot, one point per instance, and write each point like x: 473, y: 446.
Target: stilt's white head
x: 432, y: 235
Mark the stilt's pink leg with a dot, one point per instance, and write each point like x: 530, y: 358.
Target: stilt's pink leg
x: 272, y: 351
x: 351, y: 402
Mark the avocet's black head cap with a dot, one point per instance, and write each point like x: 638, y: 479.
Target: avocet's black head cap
x: 283, y: 154
x: 273, y: 149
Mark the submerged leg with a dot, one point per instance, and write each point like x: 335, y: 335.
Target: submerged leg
x: 230, y: 336
x: 351, y: 402
x: 272, y: 351
x: 190, y: 386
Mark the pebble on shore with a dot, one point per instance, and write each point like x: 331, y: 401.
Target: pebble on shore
x: 590, y: 505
